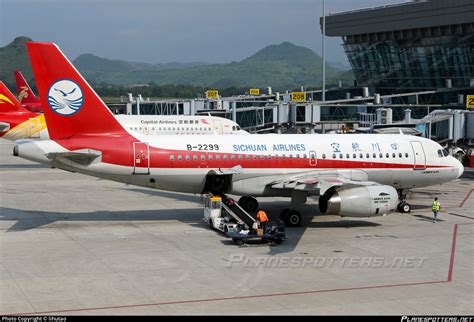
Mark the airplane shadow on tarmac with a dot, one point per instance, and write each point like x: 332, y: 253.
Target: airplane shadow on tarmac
x: 31, y: 219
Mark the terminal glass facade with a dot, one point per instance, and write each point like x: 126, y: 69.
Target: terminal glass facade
x: 413, y: 60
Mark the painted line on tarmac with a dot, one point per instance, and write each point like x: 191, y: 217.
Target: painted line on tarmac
x: 448, y: 280
x: 465, y: 199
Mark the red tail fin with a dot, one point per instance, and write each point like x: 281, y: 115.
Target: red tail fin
x: 71, y: 107
x: 25, y: 94
x: 8, y: 101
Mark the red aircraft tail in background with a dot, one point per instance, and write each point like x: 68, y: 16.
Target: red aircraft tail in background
x: 26, y: 95
x: 9, y: 103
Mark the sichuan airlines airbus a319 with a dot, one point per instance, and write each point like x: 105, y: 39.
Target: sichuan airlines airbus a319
x: 354, y: 175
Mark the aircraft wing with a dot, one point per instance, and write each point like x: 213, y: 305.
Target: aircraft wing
x: 4, y: 127
x: 83, y: 157
x: 319, y: 182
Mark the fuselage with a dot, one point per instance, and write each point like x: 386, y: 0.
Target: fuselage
x: 25, y: 125
x: 182, y: 163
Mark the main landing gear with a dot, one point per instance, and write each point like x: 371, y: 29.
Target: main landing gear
x: 403, y: 206
x: 249, y: 204
x: 291, y: 217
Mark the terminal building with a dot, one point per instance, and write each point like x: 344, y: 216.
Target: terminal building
x: 412, y: 46
x: 413, y: 63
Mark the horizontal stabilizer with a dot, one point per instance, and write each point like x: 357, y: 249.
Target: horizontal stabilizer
x: 83, y: 157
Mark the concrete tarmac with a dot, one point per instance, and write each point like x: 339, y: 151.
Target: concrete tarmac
x: 73, y: 244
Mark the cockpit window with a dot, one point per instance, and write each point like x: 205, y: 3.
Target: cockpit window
x: 442, y: 153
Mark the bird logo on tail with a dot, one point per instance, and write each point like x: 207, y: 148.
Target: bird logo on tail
x: 65, y: 97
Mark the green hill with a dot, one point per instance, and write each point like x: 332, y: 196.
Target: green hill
x: 90, y: 63
x: 283, y: 66
x: 14, y: 56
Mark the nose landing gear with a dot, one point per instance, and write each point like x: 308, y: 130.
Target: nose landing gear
x: 403, y: 206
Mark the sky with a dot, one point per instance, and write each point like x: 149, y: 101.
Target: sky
x: 161, y: 31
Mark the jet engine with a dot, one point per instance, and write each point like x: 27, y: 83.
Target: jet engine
x: 363, y: 201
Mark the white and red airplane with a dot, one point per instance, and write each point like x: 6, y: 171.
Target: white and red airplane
x: 354, y: 175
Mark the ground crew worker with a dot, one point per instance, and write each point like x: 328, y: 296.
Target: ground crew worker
x: 262, y: 218
x: 436, y: 206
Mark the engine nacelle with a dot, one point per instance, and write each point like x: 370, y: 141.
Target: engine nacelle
x: 364, y: 201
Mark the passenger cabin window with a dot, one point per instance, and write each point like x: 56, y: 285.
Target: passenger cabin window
x: 172, y: 157
x: 188, y: 158
x: 195, y: 157
x: 180, y: 157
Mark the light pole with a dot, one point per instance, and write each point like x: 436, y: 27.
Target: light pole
x: 324, y: 54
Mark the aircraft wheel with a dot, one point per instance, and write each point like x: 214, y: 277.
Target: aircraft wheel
x: 284, y: 214
x: 249, y: 204
x: 293, y: 218
x: 404, y: 207
x: 243, y: 202
x: 238, y: 241
x: 252, y: 205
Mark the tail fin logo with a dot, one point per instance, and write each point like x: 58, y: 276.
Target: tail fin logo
x: 65, y: 97
x: 23, y: 93
x: 4, y: 99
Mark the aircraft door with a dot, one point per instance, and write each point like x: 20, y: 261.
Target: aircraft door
x: 313, y: 160
x: 141, y: 158
x: 217, y: 126
x: 419, y: 155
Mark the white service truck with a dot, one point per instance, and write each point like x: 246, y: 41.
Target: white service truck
x: 216, y: 217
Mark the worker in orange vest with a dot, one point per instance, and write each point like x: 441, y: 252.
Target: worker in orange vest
x: 262, y: 218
